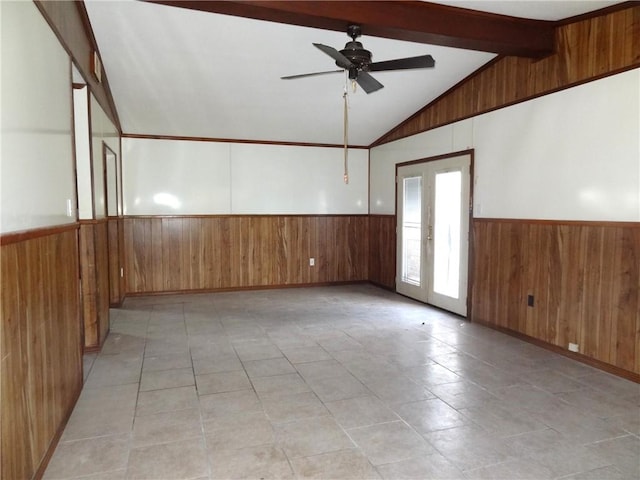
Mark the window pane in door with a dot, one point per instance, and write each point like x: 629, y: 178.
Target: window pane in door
x: 446, y: 262
x: 411, y: 230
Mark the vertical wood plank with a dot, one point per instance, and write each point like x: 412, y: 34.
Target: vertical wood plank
x: 114, y: 261
x: 185, y: 253
x: 101, y: 240
x: 382, y: 250
x: 515, y: 298
x: 544, y: 282
x: 503, y: 274
x: 236, y: 251
x: 312, y: 223
x: 569, y: 303
x: 626, y: 299
x: 173, y: 271
x: 204, y: 262
x: 225, y: 268
x: 479, y: 295
x: 122, y: 259
x: 157, y: 264
x: 607, y: 279
x: 593, y: 273
x: 495, y: 294
x: 283, y: 253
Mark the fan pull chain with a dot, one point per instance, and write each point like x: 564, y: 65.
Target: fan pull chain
x: 346, y: 136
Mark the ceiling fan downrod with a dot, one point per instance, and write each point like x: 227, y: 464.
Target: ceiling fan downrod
x: 359, y: 57
x: 345, y: 134
x: 354, y: 31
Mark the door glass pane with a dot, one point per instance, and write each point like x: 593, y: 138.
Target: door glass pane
x: 411, y: 230
x: 446, y: 263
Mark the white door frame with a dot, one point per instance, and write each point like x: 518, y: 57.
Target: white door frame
x: 424, y: 292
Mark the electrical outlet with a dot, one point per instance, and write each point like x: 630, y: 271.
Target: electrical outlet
x: 574, y: 347
x: 312, y: 262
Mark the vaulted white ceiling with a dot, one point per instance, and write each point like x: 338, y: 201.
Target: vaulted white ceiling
x: 180, y: 72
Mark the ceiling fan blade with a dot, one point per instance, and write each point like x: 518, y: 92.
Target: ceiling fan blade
x: 302, y: 75
x: 424, y: 61
x: 368, y: 83
x: 340, y: 59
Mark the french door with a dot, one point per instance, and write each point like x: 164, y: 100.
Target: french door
x: 433, y: 231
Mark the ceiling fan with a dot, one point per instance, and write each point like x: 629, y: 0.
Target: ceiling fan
x: 357, y: 62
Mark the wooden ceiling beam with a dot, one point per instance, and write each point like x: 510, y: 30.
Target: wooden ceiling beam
x: 413, y: 21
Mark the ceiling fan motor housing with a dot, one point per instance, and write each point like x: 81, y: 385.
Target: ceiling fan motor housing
x: 355, y: 52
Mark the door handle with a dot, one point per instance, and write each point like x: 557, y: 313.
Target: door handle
x: 430, y: 232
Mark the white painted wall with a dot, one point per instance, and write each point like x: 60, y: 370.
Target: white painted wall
x: 111, y: 166
x: 92, y: 128
x: 571, y: 155
x: 102, y: 130
x: 450, y: 138
x: 83, y: 152
x: 36, y: 164
x: 297, y: 180
x: 171, y: 177
x: 179, y: 177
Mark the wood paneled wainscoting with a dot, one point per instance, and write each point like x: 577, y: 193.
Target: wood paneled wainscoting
x: 41, y: 344
x: 584, y: 278
x: 94, y: 271
x: 382, y: 250
x: 192, y: 253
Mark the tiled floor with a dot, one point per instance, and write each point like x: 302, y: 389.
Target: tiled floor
x: 336, y: 383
